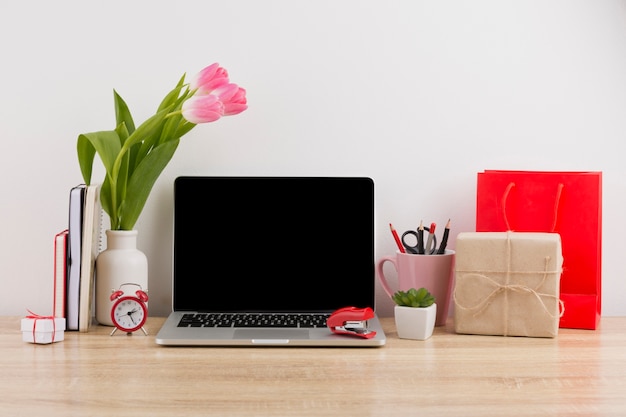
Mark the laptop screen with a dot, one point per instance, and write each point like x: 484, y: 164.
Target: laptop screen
x: 273, y: 243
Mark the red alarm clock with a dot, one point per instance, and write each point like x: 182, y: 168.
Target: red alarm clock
x: 129, y: 312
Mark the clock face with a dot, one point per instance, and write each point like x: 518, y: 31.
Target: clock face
x: 129, y: 314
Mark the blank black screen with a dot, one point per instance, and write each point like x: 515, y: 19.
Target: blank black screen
x: 273, y: 243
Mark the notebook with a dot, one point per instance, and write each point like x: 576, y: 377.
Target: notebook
x: 268, y: 247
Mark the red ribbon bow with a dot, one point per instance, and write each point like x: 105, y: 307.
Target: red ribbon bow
x: 36, y: 317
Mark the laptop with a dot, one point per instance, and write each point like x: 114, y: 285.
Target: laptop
x: 264, y: 261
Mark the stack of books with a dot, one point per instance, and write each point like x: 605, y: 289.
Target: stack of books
x: 75, y: 252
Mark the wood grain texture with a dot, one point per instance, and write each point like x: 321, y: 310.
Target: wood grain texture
x: 580, y: 372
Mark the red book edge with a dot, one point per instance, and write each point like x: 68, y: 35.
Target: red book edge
x: 60, y: 273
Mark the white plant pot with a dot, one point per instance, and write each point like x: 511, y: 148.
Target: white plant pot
x: 415, y: 323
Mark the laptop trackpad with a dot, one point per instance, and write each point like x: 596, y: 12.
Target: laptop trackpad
x: 275, y: 334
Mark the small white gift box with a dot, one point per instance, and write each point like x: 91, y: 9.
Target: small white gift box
x: 43, y: 329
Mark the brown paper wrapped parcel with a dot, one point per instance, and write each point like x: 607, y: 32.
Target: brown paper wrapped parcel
x: 507, y: 283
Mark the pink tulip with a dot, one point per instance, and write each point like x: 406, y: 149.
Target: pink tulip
x: 209, y: 79
x: 213, y: 96
x: 233, y: 98
x: 202, y: 108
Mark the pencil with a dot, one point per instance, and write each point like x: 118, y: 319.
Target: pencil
x: 444, y: 239
x: 396, y: 238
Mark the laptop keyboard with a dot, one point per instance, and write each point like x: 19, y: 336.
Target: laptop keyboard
x: 281, y: 320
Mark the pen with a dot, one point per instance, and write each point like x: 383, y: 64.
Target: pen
x: 397, y: 239
x: 444, y: 240
x: 429, y: 242
x: 420, y: 238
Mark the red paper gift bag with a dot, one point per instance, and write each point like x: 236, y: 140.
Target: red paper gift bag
x: 568, y: 203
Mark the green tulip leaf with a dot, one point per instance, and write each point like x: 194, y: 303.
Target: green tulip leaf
x: 141, y: 182
x: 106, y: 144
x: 122, y: 113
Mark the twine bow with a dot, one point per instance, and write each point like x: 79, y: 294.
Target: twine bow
x: 507, y: 287
x: 36, y: 317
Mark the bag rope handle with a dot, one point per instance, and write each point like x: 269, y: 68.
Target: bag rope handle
x: 555, y: 213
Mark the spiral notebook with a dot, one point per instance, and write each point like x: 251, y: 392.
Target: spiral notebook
x: 270, y: 246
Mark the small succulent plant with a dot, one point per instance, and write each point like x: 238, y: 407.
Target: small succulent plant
x: 414, y: 298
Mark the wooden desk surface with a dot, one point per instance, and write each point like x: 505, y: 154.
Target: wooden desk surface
x: 580, y: 372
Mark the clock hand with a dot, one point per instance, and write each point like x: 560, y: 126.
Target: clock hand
x: 130, y: 315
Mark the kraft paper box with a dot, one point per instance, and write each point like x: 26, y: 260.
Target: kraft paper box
x: 507, y: 283
x: 43, y: 330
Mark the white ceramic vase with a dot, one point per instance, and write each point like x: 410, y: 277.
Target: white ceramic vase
x: 415, y: 322
x: 120, y: 263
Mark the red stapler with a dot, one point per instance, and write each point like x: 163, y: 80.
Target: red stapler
x: 351, y: 321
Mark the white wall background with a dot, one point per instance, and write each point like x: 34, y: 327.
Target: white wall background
x: 420, y: 95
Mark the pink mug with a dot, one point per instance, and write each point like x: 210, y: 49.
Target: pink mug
x: 433, y: 272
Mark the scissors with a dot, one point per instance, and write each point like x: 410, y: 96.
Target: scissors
x: 419, y: 248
